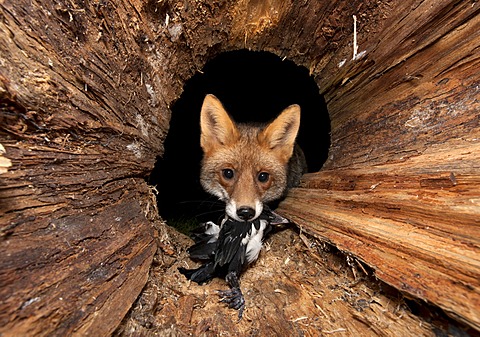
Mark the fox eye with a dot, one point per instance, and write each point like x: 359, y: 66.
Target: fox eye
x: 228, y: 173
x: 263, y: 177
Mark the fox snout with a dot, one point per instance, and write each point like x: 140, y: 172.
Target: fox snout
x: 246, y: 213
x: 243, y: 212
x: 242, y: 191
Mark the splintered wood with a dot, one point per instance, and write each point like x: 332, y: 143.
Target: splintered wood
x: 292, y: 289
x: 85, y: 95
x: 418, y: 230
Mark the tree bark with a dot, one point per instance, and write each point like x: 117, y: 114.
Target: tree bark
x: 81, y: 127
x: 400, y: 189
x: 85, y: 91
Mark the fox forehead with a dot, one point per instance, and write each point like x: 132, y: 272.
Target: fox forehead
x: 247, y: 145
x: 244, y: 155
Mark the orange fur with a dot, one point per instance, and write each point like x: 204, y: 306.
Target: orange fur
x: 250, y: 153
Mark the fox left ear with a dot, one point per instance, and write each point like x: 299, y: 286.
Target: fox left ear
x: 280, y: 134
x: 217, y: 128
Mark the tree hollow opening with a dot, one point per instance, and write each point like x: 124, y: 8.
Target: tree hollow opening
x: 253, y: 87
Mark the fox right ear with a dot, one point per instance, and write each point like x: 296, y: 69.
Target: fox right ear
x: 280, y: 134
x: 217, y: 128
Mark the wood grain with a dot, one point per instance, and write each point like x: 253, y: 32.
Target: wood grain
x: 85, y: 95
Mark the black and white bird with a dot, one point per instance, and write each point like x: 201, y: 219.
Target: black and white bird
x: 227, y: 249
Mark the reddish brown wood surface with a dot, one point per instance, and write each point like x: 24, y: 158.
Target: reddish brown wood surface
x: 419, y: 231
x: 70, y: 261
x: 85, y: 90
x: 298, y: 286
x: 76, y: 235
x: 401, y: 187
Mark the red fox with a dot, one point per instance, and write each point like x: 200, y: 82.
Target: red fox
x: 247, y: 165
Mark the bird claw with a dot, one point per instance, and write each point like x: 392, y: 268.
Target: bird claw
x: 234, y: 299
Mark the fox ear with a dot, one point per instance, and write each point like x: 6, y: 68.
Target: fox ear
x: 216, y: 125
x: 280, y: 134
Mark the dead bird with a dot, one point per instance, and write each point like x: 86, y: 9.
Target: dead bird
x: 227, y: 249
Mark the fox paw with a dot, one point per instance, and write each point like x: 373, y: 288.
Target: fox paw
x: 234, y: 299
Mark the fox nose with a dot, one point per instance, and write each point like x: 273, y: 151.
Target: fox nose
x: 245, y: 213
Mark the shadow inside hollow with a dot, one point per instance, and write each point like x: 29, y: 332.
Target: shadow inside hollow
x: 253, y: 86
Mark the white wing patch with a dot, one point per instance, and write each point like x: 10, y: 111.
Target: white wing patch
x: 254, y: 241
x: 212, y: 229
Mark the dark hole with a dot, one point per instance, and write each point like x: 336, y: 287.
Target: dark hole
x: 253, y: 86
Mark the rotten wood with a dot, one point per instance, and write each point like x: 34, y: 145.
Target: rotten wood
x: 418, y: 230
x: 85, y: 90
x: 294, y: 288
x: 401, y: 187
x: 65, y: 272
x: 81, y: 124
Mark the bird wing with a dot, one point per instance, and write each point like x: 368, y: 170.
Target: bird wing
x: 232, y: 241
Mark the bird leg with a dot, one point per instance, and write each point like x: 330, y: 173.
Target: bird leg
x: 233, y: 297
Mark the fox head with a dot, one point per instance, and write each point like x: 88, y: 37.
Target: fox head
x: 245, y: 165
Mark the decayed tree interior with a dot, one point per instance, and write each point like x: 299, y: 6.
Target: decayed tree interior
x: 386, y: 240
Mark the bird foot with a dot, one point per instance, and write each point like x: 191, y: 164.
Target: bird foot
x: 234, y: 299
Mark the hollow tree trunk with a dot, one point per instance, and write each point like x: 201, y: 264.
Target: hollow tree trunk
x: 85, y: 90
x: 82, y: 124
x: 401, y: 187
